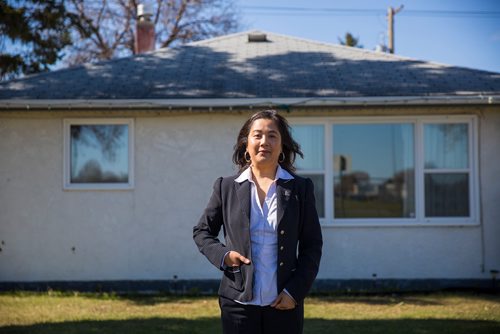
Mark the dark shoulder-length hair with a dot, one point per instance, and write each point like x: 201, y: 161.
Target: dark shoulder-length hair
x: 289, y: 147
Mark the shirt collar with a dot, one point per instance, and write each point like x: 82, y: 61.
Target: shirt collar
x: 246, y: 175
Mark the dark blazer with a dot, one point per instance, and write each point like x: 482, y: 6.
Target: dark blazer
x: 298, y: 226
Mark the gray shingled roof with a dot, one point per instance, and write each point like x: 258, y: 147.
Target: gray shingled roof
x: 232, y: 67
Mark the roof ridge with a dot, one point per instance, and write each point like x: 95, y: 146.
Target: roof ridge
x: 347, y: 48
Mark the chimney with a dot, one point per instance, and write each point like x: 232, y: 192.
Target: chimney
x: 145, y: 30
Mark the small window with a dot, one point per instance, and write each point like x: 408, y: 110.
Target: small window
x: 98, y: 154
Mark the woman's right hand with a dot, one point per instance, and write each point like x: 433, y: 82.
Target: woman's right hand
x: 235, y: 259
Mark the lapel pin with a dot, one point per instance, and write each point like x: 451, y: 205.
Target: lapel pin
x: 287, y: 194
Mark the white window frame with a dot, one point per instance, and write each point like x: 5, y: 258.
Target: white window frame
x: 67, y: 185
x: 418, y: 123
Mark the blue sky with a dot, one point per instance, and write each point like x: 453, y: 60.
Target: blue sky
x: 470, y: 39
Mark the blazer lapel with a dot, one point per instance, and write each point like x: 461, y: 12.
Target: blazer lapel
x: 243, y: 194
x: 284, y: 190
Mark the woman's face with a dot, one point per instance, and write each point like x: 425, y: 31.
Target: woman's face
x: 264, y: 143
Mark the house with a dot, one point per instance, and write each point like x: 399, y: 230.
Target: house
x: 105, y: 168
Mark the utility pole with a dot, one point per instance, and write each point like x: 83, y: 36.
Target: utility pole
x: 390, y: 17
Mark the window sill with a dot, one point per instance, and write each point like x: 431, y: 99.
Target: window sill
x: 98, y: 187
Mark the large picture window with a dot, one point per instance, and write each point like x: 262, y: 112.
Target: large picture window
x: 98, y: 154
x: 390, y: 170
x: 374, y: 170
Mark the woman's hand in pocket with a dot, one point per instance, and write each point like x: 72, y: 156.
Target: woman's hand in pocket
x: 284, y: 302
x: 235, y: 259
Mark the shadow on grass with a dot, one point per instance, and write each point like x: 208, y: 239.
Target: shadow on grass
x: 406, y: 326
x: 139, y: 326
x: 212, y: 325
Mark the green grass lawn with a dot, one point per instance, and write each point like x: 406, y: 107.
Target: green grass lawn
x: 55, y: 312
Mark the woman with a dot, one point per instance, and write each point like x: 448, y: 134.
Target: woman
x: 273, y: 240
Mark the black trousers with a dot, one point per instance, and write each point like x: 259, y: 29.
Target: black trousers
x: 252, y: 319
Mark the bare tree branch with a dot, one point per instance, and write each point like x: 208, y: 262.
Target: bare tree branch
x: 106, y: 29
x: 175, y: 30
x: 159, y: 4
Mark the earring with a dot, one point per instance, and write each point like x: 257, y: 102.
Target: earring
x: 282, y: 157
x: 247, y: 156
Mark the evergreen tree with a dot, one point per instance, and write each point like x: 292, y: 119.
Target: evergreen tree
x: 32, y: 36
x: 350, y: 40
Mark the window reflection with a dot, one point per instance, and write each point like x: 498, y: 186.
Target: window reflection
x: 446, y: 146
x: 373, y: 170
x: 447, y: 195
x: 311, y: 139
x: 99, y: 154
x: 446, y: 150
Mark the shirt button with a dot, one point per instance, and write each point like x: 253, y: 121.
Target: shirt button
x: 281, y: 248
x: 282, y: 232
x: 281, y: 264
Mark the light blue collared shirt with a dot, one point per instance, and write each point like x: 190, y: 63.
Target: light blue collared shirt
x: 264, y: 239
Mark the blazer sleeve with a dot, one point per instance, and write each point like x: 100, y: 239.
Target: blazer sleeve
x: 310, y: 247
x: 205, y: 233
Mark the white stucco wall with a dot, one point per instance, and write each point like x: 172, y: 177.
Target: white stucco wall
x: 490, y: 187
x: 146, y: 233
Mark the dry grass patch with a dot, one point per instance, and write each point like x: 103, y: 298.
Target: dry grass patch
x: 55, y: 312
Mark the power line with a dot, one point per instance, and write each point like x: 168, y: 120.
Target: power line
x: 328, y: 11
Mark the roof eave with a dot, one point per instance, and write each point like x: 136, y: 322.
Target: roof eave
x: 216, y: 103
